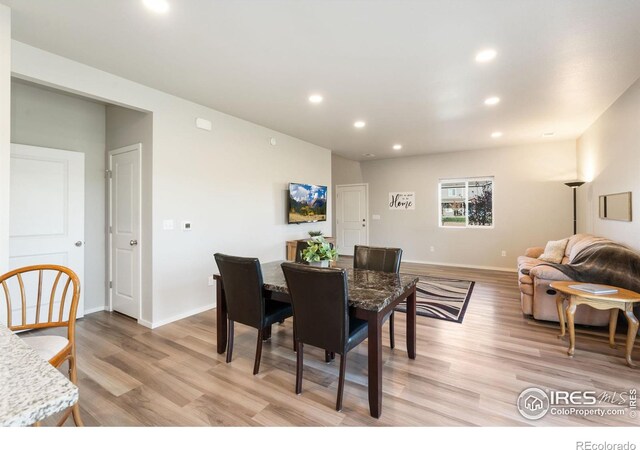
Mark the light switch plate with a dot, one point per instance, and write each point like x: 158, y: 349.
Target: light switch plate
x: 376, y: 217
x: 167, y: 224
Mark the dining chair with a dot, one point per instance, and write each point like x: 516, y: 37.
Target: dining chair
x: 382, y: 259
x: 52, y: 304
x: 321, y: 316
x: 242, y: 283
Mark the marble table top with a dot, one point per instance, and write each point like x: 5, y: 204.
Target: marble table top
x: 368, y: 289
x: 31, y: 389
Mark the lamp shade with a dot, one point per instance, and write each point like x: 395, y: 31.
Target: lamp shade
x: 575, y: 184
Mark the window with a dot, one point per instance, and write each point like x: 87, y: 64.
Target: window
x: 466, y: 203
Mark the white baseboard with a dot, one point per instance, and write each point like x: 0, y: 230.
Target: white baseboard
x: 94, y: 310
x: 464, y: 266
x: 183, y: 315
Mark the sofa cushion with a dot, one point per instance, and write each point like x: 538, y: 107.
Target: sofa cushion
x: 554, y: 251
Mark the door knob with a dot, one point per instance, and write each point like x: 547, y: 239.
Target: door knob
x: 133, y: 242
x: 78, y: 244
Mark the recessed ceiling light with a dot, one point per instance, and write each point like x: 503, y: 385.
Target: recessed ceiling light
x: 486, y: 55
x: 359, y: 124
x: 315, y: 98
x: 368, y: 155
x: 549, y: 134
x: 158, y: 6
x: 492, y: 101
x: 397, y: 147
x: 496, y: 134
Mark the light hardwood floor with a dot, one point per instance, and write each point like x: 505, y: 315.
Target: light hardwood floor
x: 464, y: 374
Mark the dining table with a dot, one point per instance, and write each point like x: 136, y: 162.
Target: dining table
x: 373, y: 295
x: 31, y: 389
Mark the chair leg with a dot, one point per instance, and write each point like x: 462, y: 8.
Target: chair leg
x: 327, y: 356
x: 343, y: 369
x: 392, y: 339
x: 230, y: 341
x: 333, y: 356
x: 73, y: 376
x: 295, y: 343
x: 256, y: 366
x: 299, y: 358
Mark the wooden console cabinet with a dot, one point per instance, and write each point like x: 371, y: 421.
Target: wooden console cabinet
x: 291, y: 246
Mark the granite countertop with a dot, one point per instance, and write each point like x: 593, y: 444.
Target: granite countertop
x: 369, y: 290
x: 31, y: 389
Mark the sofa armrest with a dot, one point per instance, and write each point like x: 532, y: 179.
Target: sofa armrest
x: 534, y: 252
x: 548, y: 273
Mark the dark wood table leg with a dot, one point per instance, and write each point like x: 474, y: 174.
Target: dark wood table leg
x: 266, y: 333
x: 221, y: 318
x: 411, y: 324
x: 375, y: 364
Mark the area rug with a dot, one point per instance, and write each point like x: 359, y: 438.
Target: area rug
x: 441, y: 298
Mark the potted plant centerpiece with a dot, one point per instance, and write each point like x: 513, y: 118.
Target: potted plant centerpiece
x: 319, y: 252
x: 315, y: 235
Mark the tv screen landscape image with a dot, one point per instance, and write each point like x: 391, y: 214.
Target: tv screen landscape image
x: 307, y: 203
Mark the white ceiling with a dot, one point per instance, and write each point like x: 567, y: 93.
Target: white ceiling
x: 405, y: 67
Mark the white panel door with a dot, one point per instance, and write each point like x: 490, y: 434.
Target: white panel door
x: 46, y: 216
x: 125, y: 230
x: 351, y: 217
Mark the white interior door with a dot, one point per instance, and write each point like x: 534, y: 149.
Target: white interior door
x: 352, y: 227
x: 46, y: 216
x: 124, y: 226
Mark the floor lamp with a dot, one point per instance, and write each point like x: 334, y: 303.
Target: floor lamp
x: 575, y: 185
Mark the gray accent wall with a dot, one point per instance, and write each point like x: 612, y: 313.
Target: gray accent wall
x: 609, y: 160
x: 45, y: 118
x: 531, y: 203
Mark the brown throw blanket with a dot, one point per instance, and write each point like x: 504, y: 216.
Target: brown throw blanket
x: 605, y: 263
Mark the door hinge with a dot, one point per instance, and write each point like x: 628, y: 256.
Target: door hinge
x: 110, y: 284
x: 110, y: 229
x: 108, y: 173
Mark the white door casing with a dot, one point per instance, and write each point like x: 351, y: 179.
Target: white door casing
x: 352, y: 213
x: 46, y: 215
x: 124, y: 230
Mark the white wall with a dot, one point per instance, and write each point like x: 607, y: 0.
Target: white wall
x: 5, y: 132
x: 531, y: 203
x: 609, y: 159
x: 127, y: 127
x: 343, y: 171
x: 45, y: 118
x: 229, y: 182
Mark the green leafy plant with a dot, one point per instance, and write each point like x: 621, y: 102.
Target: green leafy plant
x: 315, y: 233
x: 318, y: 249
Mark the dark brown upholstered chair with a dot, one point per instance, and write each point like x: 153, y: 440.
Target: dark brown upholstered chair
x: 383, y: 259
x: 301, y: 245
x: 242, y: 282
x: 321, y: 316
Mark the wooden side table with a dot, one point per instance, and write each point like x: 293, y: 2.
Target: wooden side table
x: 622, y: 300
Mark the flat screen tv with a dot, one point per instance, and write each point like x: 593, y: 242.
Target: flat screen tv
x: 307, y: 203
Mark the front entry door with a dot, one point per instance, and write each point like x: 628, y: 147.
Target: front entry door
x: 46, y: 215
x: 124, y: 226
x: 352, y: 227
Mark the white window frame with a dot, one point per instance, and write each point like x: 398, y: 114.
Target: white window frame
x: 466, y: 181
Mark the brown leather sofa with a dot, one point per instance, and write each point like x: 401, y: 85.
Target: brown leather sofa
x: 536, y: 296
